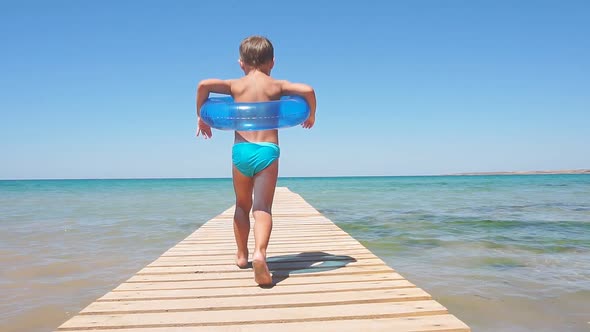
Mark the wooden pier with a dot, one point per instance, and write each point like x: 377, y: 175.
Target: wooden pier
x: 324, y: 279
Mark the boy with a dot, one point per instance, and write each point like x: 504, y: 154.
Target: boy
x: 255, y: 153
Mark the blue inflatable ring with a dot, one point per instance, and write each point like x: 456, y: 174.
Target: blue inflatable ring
x: 225, y: 114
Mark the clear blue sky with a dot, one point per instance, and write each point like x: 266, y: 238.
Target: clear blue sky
x: 105, y: 89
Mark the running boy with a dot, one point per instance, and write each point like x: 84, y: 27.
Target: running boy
x: 255, y: 154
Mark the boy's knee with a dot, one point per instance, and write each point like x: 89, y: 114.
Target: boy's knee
x: 262, y: 208
x: 244, y: 205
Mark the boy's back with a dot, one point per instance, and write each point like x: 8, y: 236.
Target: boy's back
x: 256, y: 86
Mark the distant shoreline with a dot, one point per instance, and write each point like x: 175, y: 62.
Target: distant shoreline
x: 566, y: 171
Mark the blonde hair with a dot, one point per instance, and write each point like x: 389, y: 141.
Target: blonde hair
x: 256, y: 51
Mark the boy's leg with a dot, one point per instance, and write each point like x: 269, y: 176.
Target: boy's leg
x: 264, y: 189
x: 243, y: 190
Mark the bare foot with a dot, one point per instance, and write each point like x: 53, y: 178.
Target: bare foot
x: 242, y: 260
x: 261, y: 273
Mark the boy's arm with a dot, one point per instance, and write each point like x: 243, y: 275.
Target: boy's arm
x: 203, y: 89
x: 305, y: 91
x: 211, y: 85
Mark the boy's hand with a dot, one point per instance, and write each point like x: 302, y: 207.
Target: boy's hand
x: 309, y: 122
x: 203, y: 128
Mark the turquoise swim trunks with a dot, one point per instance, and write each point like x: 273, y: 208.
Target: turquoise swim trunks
x: 251, y: 158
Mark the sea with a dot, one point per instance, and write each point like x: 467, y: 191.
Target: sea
x: 502, y: 253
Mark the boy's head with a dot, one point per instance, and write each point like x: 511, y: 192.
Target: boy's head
x: 256, y: 51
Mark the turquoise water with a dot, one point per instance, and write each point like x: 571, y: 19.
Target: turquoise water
x: 503, y: 253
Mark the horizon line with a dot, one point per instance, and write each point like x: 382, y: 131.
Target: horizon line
x: 538, y: 172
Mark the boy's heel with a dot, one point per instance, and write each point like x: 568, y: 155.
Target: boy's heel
x: 261, y: 274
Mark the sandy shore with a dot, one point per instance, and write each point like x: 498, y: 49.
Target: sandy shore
x: 566, y: 171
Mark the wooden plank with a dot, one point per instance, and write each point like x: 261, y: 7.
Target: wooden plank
x: 341, y: 285
x: 431, y: 323
x: 289, y: 240
x: 312, y: 247
x: 327, y: 243
x: 287, y: 265
x: 324, y: 280
x: 233, y: 280
x: 240, y: 301
x: 271, y: 252
x: 262, y: 315
x: 246, y: 274
x: 227, y: 259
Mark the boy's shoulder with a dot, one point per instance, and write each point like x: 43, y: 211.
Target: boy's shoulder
x: 251, y: 88
x: 267, y: 82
